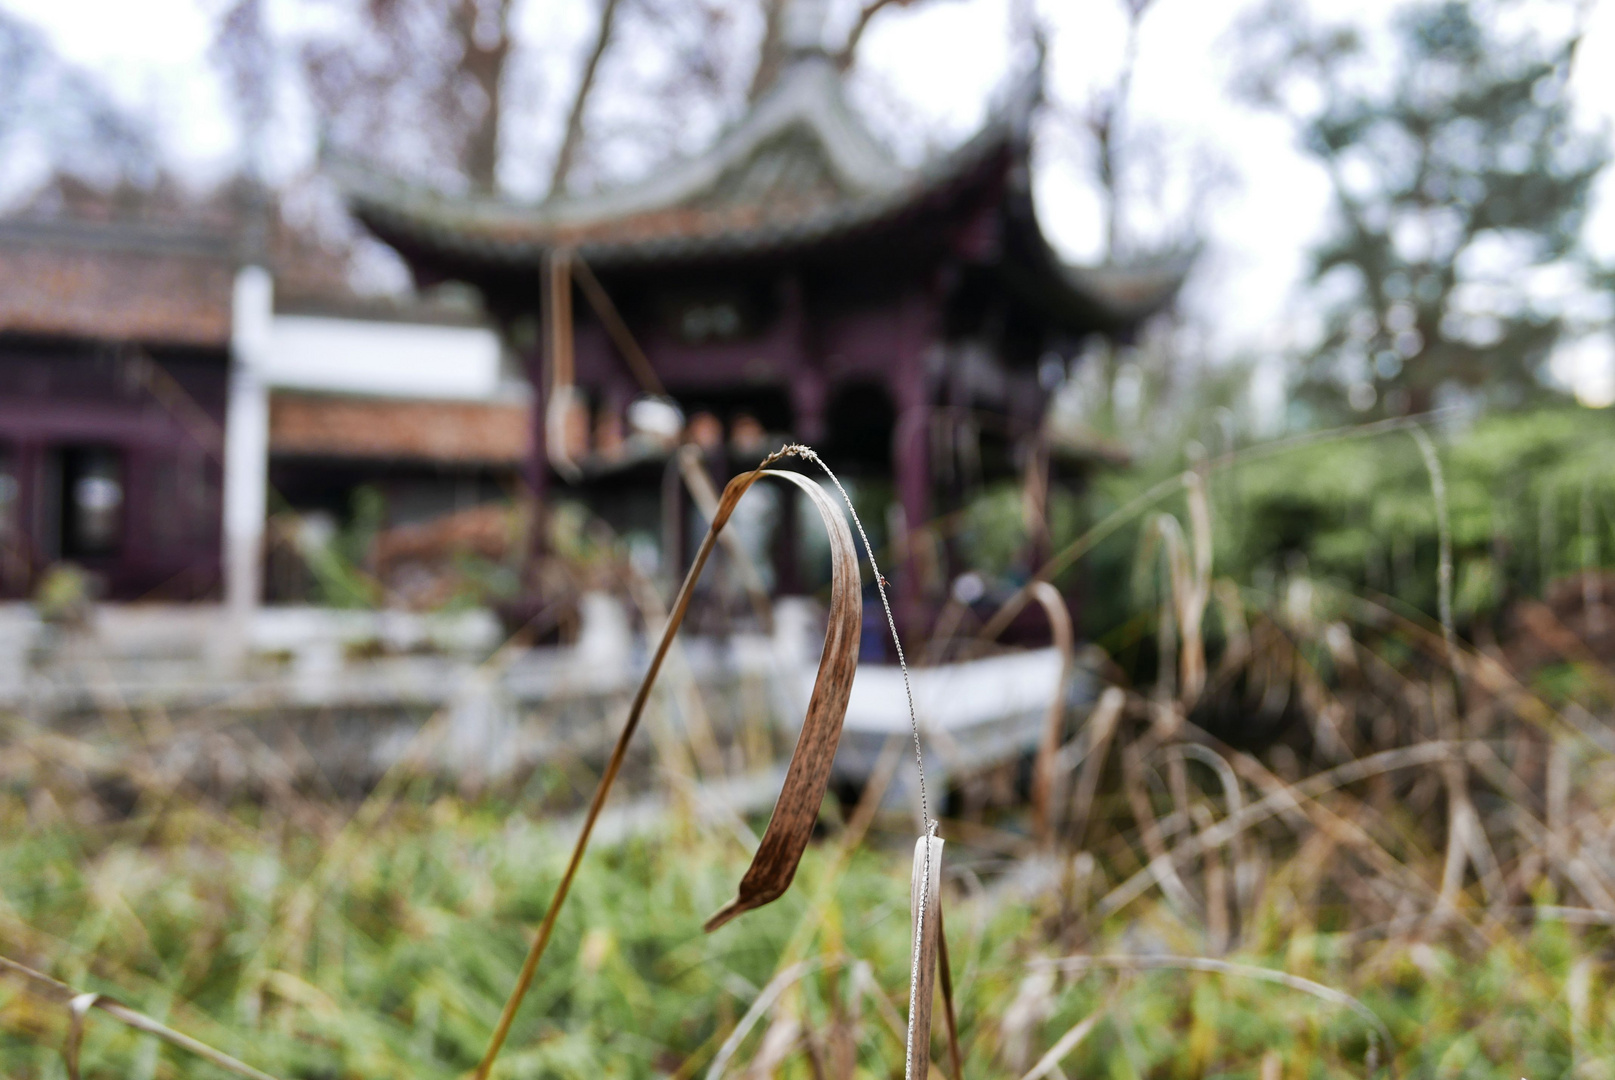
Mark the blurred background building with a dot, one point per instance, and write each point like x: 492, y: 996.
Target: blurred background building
x: 123, y: 367
x: 790, y: 283
x: 461, y: 278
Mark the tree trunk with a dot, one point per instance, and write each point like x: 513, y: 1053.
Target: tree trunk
x: 484, y: 64
x: 574, y: 119
x: 771, y: 53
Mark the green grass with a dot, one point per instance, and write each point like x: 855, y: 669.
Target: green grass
x: 397, y: 967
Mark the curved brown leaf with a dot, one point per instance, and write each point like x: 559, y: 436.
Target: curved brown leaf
x: 809, y: 774
x: 774, y: 865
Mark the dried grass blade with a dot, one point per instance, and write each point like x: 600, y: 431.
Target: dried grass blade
x: 1101, y: 727
x: 1149, y: 831
x: 1283, y: 800
x: 1050, y: 1062
x: 925, y: 897
x: 808, y: 775
x: 765, y: 1001
x: 76, y: 1009
x: 1053, y: 723
x: 1248, y: 971
x: 79, y: 1003
x: 731, y: 496
x: 1075, y: 550
x: 950, y: 1014
x: 1144, y: 499
x: 1192, y: 602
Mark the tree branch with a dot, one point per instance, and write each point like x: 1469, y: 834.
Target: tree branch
x: 574, y: 120
x: 845, y: 57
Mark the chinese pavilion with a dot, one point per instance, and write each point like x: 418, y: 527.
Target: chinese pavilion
x: 792, y: 280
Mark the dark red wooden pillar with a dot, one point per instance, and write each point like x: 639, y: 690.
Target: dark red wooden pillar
x: 30, y: 531
x: 911, y: 459
x: 786, y: 552
x: 535, y: 475
x: 808, y: 394
x: 807, y: 383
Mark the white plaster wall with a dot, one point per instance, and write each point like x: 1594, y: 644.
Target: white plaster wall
x: 384, y: 359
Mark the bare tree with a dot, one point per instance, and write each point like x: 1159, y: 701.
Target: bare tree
x: 483, y: 30
x: 1106, y: 119
x: 423, y: 83
x: 67, y: 113
x: 866, y: 14
x: 580, y: 100
x: 773, y: 51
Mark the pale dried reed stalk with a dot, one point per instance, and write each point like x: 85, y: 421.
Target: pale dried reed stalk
x: 1102, y: 721
x: 1059, y: 617
x: 925, y: 892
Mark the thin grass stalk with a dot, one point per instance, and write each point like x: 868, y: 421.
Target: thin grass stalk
x: 923, y: 868
x: 705, y: 495
x: 1102, y: 721
x: 79, y: 1003
x: 1466, y: 842
x: 1438, y: 490
x: 703, y: 741
x: 76, y: 1009
x: 1234, y: 802
x: 760, y: 1006
x: 1378, y: 1028
x: 1196, y: 593
x: 1059, y: 617
x: 1085, y: 543
x: 1283, y: 799
x: 1074, y: 1036
x: 1149, y: 831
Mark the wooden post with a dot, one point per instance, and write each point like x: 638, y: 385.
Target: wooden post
x: 30, y: 466
x: 536, y: 469
x: 786, y: 550
x: 911, y: 458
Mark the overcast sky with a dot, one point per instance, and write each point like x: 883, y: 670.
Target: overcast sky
x: 940, y: 62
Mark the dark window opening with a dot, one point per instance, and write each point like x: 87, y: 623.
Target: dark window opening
x: 92, y: 508
x: 860, y: 421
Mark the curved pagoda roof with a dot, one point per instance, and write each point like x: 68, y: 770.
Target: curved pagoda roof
x: 798, y: 171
